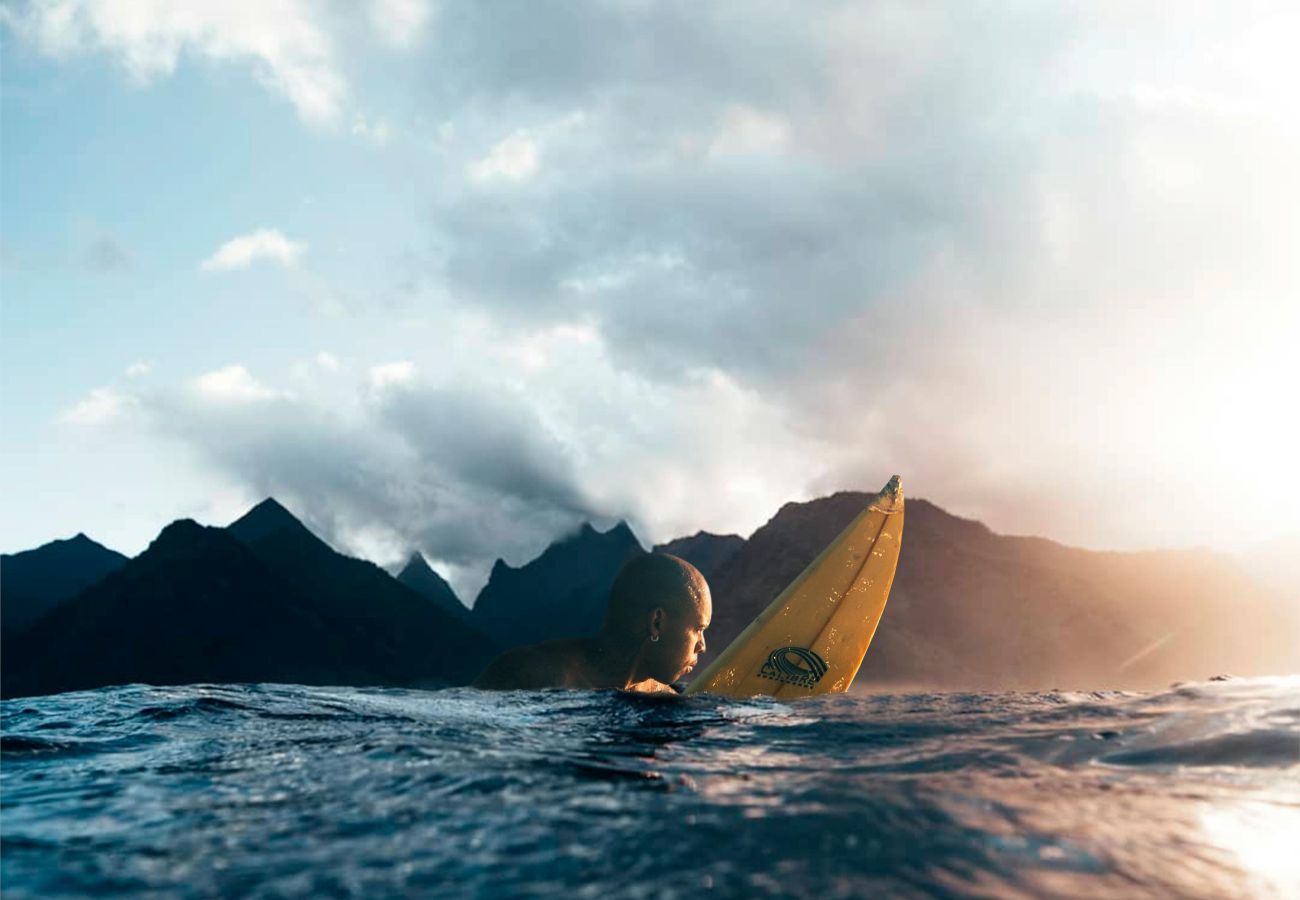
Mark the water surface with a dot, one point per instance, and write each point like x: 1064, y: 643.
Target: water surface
x: 274, y: 790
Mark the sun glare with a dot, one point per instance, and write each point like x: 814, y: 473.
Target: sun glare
x: 1261, y: 836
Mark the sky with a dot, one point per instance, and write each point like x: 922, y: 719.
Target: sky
x: 457, y: 277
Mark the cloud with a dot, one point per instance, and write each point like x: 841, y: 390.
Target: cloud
x: 391, y: 374
x: 263, y: 244
x: 465, y: 473
x: 400, y: 22
x: 512, y: 159
x: 490, y: 454
x: 486, y: 441
x: 309, y: 370
x: 139, y: 369
x: 284, y: 41
x: 232, y: 385
x: 745, y: 131
x: 102, y: 406
x: 990, y: 252
x: 686, y: 262
x: 377, y: 132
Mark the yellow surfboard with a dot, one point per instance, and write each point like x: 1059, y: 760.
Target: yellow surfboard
x: 812, y: 638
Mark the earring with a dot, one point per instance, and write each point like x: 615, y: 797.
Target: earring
x: 654, y: 637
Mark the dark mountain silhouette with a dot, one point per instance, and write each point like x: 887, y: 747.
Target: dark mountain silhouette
x: 196, y: 606
x: 33, y: 582
x: 269, y: 519
x: 387, y: 618
x: 262, y: 600
x: 419, y: 576
x: 562, y: 593
x: 706, y: 551
x: 266, y: 600
x: 972, y: 609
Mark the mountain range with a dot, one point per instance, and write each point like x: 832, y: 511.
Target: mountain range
x: 420, y: 577
x: 266, y: 600
x: 561, y: 593
x: 974, y: 610
x: 35, y: 581
x: 261, y: 600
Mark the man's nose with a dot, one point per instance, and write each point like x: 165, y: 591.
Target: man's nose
x: 699, y: 647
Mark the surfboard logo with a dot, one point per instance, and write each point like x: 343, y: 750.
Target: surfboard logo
x: 793, y: 665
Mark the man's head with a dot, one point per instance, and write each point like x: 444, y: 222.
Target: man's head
x: 664, y: 602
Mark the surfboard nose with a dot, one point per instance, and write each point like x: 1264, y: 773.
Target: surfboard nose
x: 893, y: 488
x: 890, y: 498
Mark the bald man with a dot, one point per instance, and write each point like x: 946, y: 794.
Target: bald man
x: 653, y: 634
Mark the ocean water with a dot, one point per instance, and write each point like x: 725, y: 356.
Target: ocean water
x: 277, y: 790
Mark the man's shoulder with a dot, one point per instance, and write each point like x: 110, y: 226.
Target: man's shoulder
x: 547, y: 655
x: 535, y: 666
x: 651, y: 686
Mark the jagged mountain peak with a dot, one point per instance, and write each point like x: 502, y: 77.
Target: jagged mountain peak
x: 706, y: 551
x: 576, y: 542
x: 619, y: 532
x: 424, y: 579
x: 180, y: 529
x: 622, y: 530
x: 560, y: 593
x: 264, y: 519
x: 36, y: 581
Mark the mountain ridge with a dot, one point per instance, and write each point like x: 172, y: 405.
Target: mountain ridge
x: 262, y: 600
x: 37, y: 580
x: 420, y: 577
x: 971, y: 608
x: 560, y: 593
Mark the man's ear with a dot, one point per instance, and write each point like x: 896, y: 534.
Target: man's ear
x: 657, y: 620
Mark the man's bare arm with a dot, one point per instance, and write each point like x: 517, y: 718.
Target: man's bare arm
x: 514, y: 670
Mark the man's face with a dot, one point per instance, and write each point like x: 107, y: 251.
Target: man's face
x: 681, y: 640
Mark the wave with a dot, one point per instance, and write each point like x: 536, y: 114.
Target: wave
x: 271, y: 789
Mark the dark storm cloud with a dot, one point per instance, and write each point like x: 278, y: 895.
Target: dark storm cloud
x: 487, y: 442
x: 464, y: 476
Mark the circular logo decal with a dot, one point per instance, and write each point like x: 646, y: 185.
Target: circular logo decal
x: 794, y: 665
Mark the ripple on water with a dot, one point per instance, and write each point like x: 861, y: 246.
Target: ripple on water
x: 277, y: 790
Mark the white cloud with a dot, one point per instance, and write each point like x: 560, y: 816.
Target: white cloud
x: 400, y: 22
x: 377, y: 132
x: 513, y: 159
x: 392, y: 374
x: 289, y: 51
x: 517, y: 157
x: 243, y: 251
x: 306, y: 370
x: 491, y: 456
x: 233, y: 384
x: 747, y: 131
x: 139, y: 368
x: 998, y: 266
x: 101, y: 406
x: 894, y: 234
